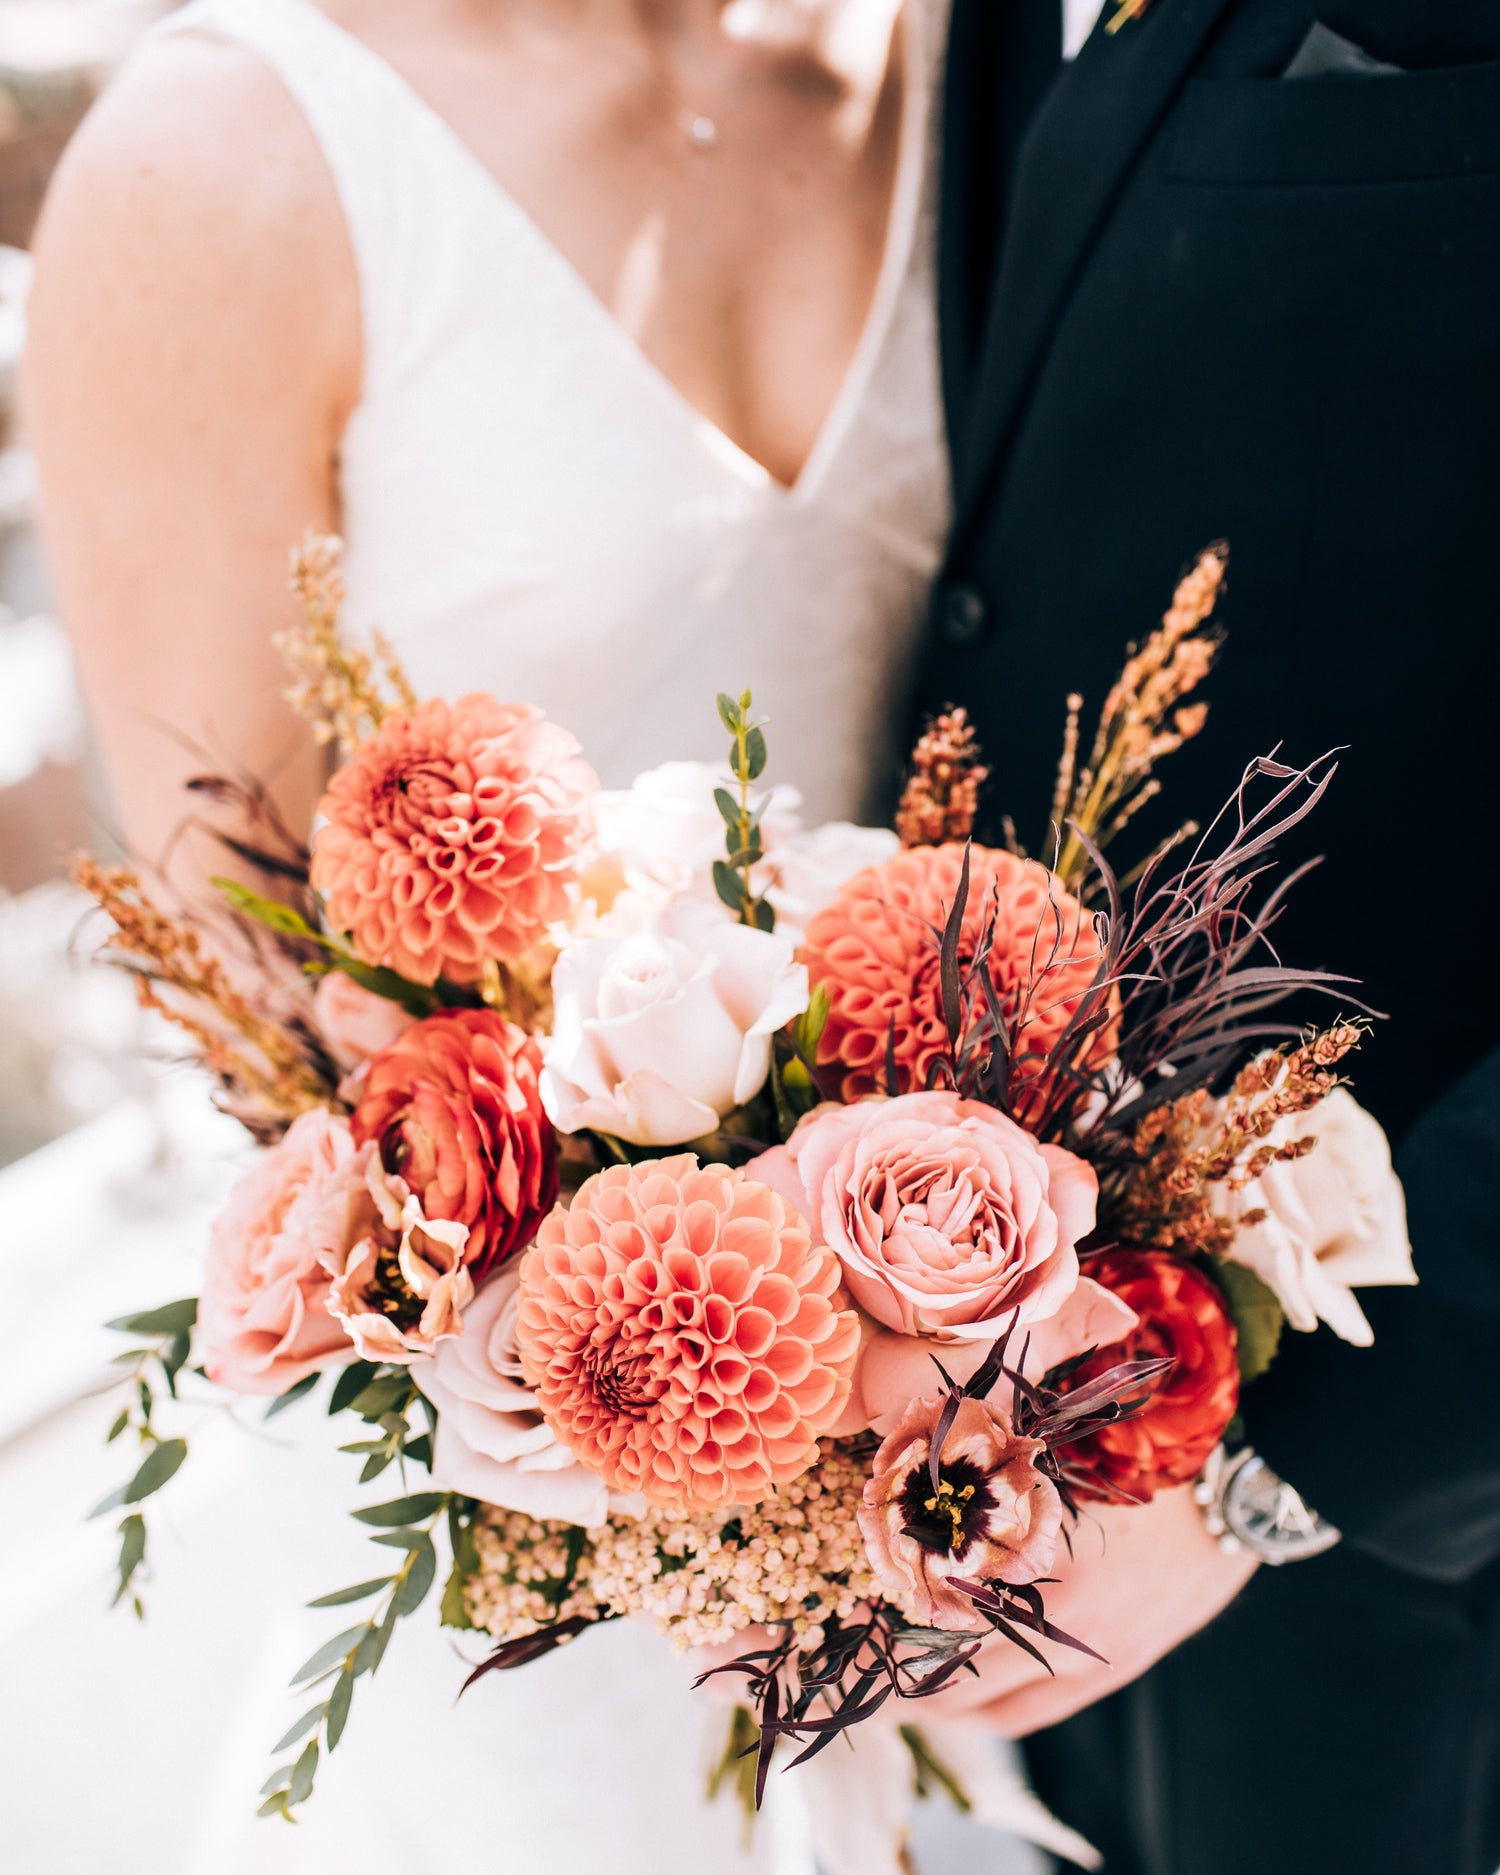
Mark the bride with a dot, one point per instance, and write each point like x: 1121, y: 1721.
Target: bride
x: 603, y: 331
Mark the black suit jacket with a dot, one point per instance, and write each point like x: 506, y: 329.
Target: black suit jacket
x: 1185, y: 298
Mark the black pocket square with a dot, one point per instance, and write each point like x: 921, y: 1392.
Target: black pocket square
x: 1327, y: 54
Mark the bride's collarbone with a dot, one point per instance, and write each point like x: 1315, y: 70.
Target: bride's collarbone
x: 742, y: 266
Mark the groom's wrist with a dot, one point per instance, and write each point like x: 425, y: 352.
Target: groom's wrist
x: 1246, y: 1505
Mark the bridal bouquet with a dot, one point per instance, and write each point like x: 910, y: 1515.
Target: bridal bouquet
x: 781, y: 1235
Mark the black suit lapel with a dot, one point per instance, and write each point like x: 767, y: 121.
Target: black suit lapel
x: 1090, y: 128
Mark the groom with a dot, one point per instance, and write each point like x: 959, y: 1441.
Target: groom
x: 1234, y: 272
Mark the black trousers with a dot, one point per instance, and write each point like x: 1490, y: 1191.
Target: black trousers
x: 1339, y: 1719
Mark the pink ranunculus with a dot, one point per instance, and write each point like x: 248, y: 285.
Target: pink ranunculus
x: 948, y: 1218
x: 263, y: 1322
x: 992, y: 1515
x: 492, y: 1442
x: 353, y: 1022
x: 400, y: 1283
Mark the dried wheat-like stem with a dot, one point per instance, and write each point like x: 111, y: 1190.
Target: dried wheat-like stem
x: 343, y: 692
x: 266, y: 1074
x: 941, y: 799
x: 1185, y: 1147
x: 1145, y: 717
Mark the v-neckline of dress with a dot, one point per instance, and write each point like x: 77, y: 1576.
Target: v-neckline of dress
x: 902, y: 220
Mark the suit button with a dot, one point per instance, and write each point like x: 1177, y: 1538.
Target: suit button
x: 964, y: 615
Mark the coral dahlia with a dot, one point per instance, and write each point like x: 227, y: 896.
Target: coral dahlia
x: 875, y: 951
x: 454, y: 835
x: 681, y: 1333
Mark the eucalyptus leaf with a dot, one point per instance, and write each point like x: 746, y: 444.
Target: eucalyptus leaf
x: 159, y: 1464
x: 277, y: 1780
x: 765, y: 915
x: 338, y: 1707
x: 729, y: 808
x: 419, y: 1450
x: 119, y: 1426
x: 382, y: 1638
x: 350, y: 1384
x: 303, y: 1726
x: 132, y: 1550
x: 729, y: 885
x: 730, y: 713
x: 328, y: 1655
x: 402, y: 1539
x: 755, y: 755
x: 293, y: 1392
x: 172, y: 1318
x: 402, y: 1510
x: 413, y: 1591
x: 303, y: 1773
x: 374, y: 1465
x: 356, y: 1594
x: 274, y: 1806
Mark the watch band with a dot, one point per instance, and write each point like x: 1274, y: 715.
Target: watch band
x: 1246, y: 1506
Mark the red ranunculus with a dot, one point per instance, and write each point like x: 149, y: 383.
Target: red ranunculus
x: 457, y: 1109
x: 1182, y: 1315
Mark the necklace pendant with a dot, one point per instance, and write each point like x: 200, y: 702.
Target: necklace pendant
x: 702, y: 132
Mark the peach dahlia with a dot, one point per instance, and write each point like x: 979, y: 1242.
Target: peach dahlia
x: 681, y: 1331
x: 875, y: 951
x: 454, y: 835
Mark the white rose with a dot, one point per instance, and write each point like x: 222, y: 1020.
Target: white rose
x: 659, y: 1033
x: 808, y: 868
x: 665, y: 830
x: 492, y: 1442
x: 1334, y: 1221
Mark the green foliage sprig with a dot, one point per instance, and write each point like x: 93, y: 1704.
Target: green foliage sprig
x: 170, y: 1333
x: 404, y: 1524
x: 383, y: 1397
x: 414, y: 998
x: 733, y: 876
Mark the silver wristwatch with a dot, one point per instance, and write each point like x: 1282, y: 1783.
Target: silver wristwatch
x: 1246, y: 1506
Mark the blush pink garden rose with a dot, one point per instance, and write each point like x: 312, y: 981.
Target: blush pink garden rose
x: 682, y: 1333
x: 896, y: 1369
x: 492, y: 1442
x: 400, y: 1283
x: 454, y: 835
x: 660, y: 1032
x: 949, y: 1219
x: 354, y: 1023
x: 992, y: 1515
x: 263, y: 1321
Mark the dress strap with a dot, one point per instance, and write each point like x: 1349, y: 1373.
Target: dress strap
x: 377, y: 144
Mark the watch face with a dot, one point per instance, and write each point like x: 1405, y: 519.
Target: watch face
x: 1270, y: 1518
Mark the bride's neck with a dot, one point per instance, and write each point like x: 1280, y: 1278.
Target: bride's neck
x: 783, y: 23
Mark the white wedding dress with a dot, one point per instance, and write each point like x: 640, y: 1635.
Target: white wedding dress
x: 531, y: 508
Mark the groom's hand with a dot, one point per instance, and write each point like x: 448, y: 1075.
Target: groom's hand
x: 1141, y: 1579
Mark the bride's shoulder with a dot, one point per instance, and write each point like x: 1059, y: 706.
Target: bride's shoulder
x: 195, y: 197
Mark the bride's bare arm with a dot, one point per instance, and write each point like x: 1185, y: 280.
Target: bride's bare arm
x: 194, y: 352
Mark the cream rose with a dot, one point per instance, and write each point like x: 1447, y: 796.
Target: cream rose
x: 665, y: 831
x: 263, y: 1320
x: 1334, y: 1220
x: 806, y: 870
x: 659, y: 1033
x: 948, y: 1218
x: 492, y: 1442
